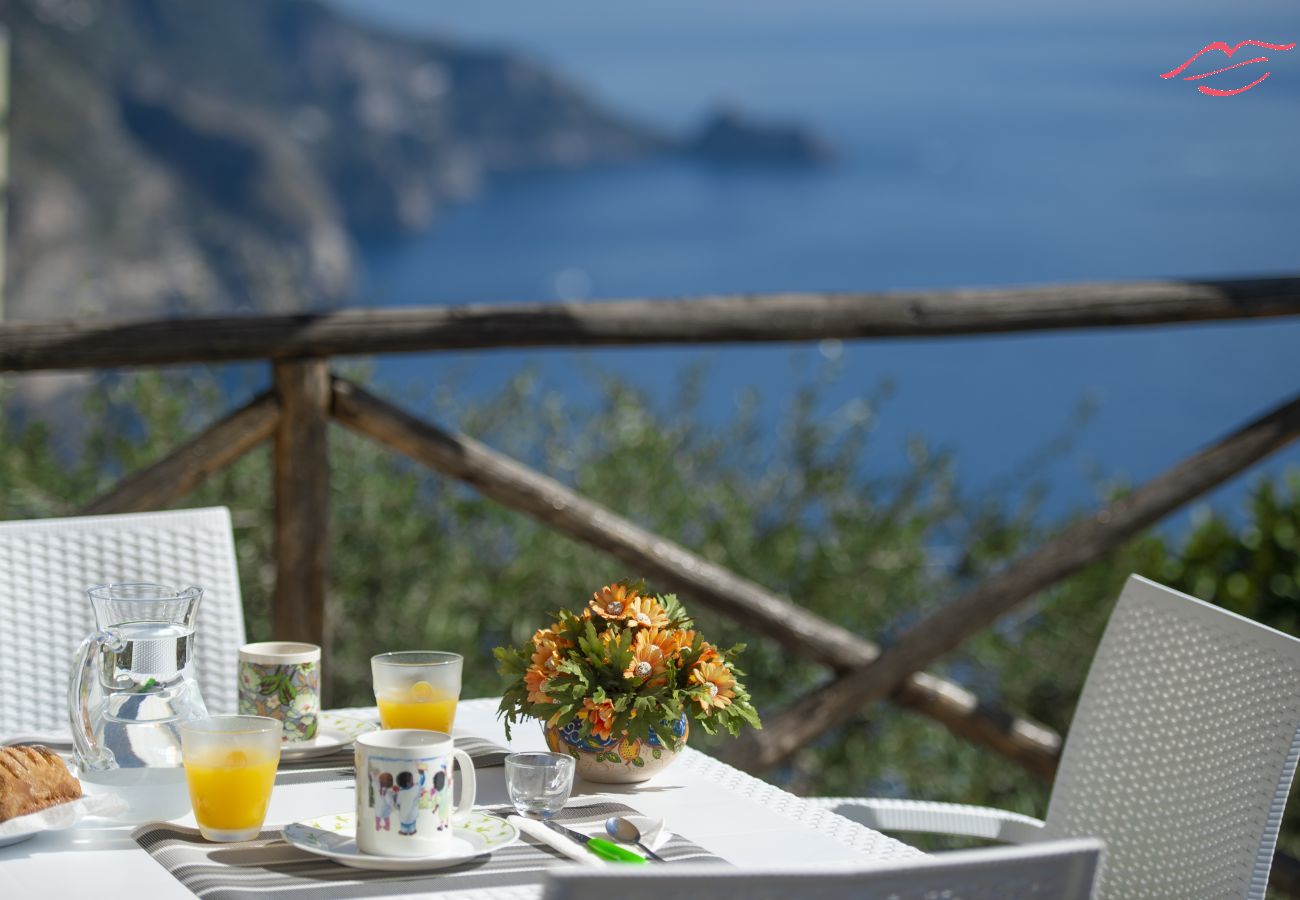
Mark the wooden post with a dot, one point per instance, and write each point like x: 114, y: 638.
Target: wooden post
x: 301, y: 474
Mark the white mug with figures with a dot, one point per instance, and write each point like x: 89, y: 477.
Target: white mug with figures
x: 404, y: 791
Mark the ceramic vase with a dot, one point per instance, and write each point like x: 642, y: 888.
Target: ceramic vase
x: 617, y: 760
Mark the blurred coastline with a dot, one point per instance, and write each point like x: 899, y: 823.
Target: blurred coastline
x: 466, y: 154
x: 1020, y: 144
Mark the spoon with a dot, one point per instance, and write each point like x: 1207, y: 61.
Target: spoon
x: 623, y: 831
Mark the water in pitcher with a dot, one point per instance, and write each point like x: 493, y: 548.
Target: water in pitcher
x: 131, y: 689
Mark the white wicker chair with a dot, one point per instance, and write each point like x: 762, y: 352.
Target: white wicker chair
x: 46, y: 566
x: 1061, y: 870
x: 1180, y: 755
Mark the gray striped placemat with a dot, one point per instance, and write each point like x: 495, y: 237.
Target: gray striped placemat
x: 267, y: 868
x: 338, y: 765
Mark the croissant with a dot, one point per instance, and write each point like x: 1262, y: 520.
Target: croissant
x: 33, y: 778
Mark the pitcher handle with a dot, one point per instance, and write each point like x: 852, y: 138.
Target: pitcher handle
x: 83, y: 686
x: 467, y: 786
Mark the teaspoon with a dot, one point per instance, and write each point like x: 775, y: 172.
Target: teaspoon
x: 623, y: 831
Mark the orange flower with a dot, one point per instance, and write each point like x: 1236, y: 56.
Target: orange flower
x: 674, y: 642
x: 600, y: 716
x: 549, y: 635
x: 647, y: 612
x: 647, y: 655
x: 719, y: 681
x: 613, y: 600
x: 545, y: 661
x: 682, y: 641
x: 536, y: 679
x: 662, y: 638
x: 547, y: 649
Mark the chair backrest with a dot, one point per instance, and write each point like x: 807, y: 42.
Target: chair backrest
x: 1181, y: 752
x: 46, y: 566
x: 1060, y: 870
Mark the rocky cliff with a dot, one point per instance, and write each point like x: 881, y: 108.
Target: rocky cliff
x: 190, y: 155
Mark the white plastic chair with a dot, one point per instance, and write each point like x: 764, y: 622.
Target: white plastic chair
x: 46, y: 566
x: 1061, y: 870
x: 1180, y: 755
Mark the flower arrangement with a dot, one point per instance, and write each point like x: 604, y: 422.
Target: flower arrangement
x: 630, y: 666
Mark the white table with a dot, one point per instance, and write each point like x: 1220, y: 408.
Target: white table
x: 742, y: 819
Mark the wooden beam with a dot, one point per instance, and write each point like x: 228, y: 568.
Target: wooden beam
x: 672, y: 566
x: 1033, y: 745
x: 81, y: 343
x: 188, y: 466
x: 301, y: 474
x: 1077, y: 546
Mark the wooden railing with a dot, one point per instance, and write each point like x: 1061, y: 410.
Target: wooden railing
x: 305, y: 396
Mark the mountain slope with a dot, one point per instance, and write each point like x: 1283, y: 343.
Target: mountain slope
x: 185, y: 155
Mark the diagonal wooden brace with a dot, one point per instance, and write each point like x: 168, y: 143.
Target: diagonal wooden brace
x: 670, y: 565
x: 189, y: 465
x: 1079, y: 545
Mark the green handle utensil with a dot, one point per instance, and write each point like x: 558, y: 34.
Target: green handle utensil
x: 608, y: 850
x: 600, y: 847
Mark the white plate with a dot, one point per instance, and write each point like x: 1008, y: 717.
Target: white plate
x: 334, y: 837
x: 59, y: 817
x: 333, y: 734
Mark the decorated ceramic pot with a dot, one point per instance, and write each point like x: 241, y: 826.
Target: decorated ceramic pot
x: 281, y: 679
x: 617, y: 760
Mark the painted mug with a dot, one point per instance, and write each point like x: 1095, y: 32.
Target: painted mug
x: 404, y: 791
x: 281, y: 679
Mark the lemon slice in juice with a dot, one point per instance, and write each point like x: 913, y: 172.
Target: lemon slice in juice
x: 422, y: 692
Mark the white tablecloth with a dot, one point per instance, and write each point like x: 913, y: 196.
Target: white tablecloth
x: 742, y: 819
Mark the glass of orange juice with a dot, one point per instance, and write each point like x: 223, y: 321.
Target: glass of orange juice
x: 417, y: 688
x: 230, y: 766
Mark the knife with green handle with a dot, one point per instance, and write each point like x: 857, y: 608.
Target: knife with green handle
x: 600, y: 847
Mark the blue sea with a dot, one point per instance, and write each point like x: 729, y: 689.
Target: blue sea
x: 979, y: 144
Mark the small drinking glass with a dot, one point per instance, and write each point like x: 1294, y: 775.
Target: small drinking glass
x: 230, y: 766
x: 417, y: 688
x: 539, y: 783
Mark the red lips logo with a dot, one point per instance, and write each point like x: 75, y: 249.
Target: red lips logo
x: 1227, y: 51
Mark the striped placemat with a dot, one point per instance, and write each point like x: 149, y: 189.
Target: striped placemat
x: 267, y: 868
x: 338, y: 765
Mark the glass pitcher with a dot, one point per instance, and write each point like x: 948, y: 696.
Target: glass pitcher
x: 133, y: 683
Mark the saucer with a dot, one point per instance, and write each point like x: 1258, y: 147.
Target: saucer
x: 334, y: 837
x: 333, y: 733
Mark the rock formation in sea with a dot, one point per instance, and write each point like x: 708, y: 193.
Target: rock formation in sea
x: 732, y: 137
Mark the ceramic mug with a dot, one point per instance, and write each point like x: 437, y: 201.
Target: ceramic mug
x: 281, y: 679
x: 404, y: 791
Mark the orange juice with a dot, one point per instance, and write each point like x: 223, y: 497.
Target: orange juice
x: 422, y: 706
x: 230, y: 789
